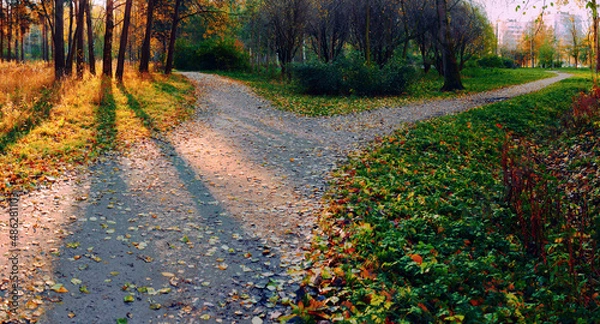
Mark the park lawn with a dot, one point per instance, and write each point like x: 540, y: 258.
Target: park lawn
x: 418, y: 228
x: 288, y: 97
x: 81, y: 120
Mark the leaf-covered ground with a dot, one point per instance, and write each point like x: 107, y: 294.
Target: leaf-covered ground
x: 418, y: 228
x: 202, y: 222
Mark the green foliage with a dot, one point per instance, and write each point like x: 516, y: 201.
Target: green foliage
x: 211, y: 54
x: 352, y: 76
x: 417, y: 225
x: 494, y: 61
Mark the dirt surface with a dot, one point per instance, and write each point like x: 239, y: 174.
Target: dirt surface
x: 207, y: 222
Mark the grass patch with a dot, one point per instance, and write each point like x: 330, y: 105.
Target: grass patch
x: 418, y: 228
x: 289, y: 97
x: 85, y: 119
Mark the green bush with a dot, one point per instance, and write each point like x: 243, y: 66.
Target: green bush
x: 494, y: 61
x: 210, y: 55
x: 351, y: 76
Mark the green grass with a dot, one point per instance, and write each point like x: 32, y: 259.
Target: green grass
x: 417, y: 228
x: 289, y: 97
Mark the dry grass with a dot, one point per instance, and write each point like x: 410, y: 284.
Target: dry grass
x: 86, y: 120
x: 21, y: 87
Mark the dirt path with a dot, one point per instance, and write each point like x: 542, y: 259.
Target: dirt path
x: 206, y: 223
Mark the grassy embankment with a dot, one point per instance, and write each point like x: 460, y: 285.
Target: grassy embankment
x: 47, y: 129
x: 288, y: 96
x: 488, y: 216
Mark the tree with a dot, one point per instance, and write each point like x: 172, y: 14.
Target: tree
x: 378, y: 28
x: 145, y: 51
x: 90, y: 37
x: 58, y: 40
x: 108, y: 39
x: 328, y: 28
x: 287, y: 19
x: 79, y: 39
x: 452, y: 79
x: 574, y: 47
x: 123, y: 42
x: 172, y: 37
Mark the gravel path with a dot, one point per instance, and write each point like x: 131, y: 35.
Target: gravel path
x: 208, y: 222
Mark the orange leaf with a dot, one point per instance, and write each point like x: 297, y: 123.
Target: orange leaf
x: 417, y: 258
x: 423, y: 307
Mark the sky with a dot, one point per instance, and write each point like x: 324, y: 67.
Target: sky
x: 507, y: 9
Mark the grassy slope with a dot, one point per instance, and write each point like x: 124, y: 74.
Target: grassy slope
x: 288, y: 97
x: 87, y: 118
x: 416, y: 228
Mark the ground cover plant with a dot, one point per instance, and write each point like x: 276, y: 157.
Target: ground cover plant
x: 460, y: 219
x: 60, y: 127
x: 289, y: 96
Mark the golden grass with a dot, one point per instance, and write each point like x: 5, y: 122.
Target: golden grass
x: 21, y: 86
x: 72, y: 134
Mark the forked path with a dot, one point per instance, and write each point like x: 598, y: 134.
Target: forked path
x: 209, y: 221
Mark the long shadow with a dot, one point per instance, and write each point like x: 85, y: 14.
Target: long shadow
x: 40, y: 112
x: 106, y: 116
x: 140, y: 113
x: 116, y: 205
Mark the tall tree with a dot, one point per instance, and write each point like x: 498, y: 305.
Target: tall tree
x: 172, y: 37
x: 58, y: 40
x: 108, y: 39
x: 79, y: 39
x: 452, y: 79
x: 145, y: 51
x: 287, y: 19
x: 123, y: 42
x: 90, y: 37
x: 328, y: 28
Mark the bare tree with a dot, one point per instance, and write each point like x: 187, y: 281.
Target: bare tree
x: 378, y: 28
x: 287, y: 19
x: 329, y: 28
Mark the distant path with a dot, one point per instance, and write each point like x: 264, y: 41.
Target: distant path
x: 208, y: 220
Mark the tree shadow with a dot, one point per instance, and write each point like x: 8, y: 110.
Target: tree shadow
x: 140, y: 113
x: 106, y: 115
x: 40, y: 112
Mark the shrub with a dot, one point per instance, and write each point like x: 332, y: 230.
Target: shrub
x: 494, y: 61
x: 351, y: 76
x: 211, y: 54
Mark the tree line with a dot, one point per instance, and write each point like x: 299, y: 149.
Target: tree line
x: 70, y: 32
x: 445, y: 33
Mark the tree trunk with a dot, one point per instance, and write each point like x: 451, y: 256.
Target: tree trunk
x: 452, y: 79
x: 123, y: 42
x: 70, y: 41
x: 172, y: 38
x: 596, y: 42
x: 108, y: 39
x: 79, y: 38
x: 90, y: 37
x: 58, y: 40
x: 9, y: 32
x: 145, y: 55
x: 2, y: 22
